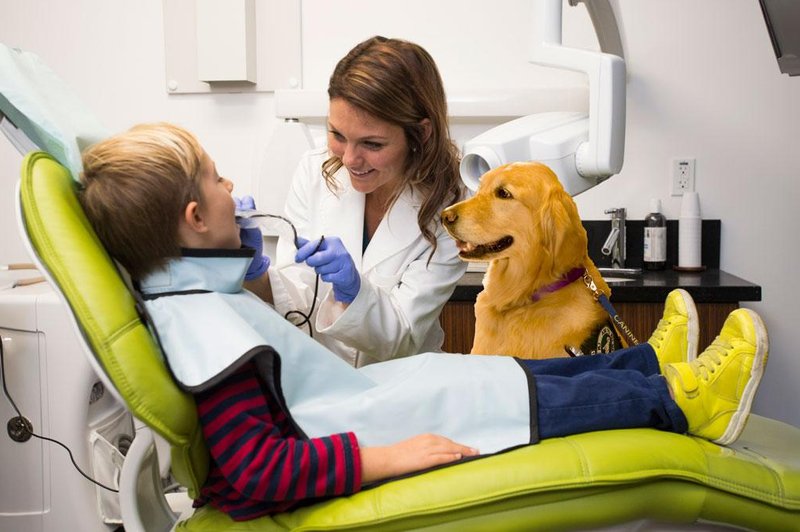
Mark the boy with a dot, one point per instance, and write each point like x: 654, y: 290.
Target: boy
x: 287, y: 421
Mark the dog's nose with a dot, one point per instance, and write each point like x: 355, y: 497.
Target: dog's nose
x: 449, y: 216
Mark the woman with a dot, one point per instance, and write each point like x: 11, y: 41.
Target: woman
x: 375, y: 193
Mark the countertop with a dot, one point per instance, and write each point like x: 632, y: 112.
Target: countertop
x: 710, y: 286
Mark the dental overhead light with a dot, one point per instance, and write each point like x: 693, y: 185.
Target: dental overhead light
x: 582, y: 150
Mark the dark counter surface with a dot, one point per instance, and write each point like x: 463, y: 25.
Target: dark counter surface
x: 710, y: 286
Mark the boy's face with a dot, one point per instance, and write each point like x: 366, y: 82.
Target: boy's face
x: 217, y: 208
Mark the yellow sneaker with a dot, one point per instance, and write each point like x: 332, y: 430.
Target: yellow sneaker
x: 675, y: 337
x: 715, y: 391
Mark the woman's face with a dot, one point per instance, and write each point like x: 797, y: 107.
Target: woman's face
x: 373, y: 151
x: 217, y: 208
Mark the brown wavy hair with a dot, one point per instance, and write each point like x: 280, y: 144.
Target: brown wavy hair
x: 398, y: 82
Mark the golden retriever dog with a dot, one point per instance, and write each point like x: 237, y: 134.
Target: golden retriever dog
x: 535, y: 303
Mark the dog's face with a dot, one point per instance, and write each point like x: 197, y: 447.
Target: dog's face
x: 519, y: 210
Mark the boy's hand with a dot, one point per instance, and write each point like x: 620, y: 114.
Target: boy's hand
x: 251, y: 237
x: 413, y: 454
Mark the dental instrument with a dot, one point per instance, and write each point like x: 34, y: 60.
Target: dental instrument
x: 247, y: 218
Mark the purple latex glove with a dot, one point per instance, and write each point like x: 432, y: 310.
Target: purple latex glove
x: 333, y: 264
x: 251, y: 237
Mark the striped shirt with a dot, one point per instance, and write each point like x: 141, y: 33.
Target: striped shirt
x: 260, y: 464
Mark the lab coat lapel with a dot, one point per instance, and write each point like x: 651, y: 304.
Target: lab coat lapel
x: 344, y: 218
x: 397, y: 230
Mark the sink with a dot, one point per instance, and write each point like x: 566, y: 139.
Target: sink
x: 626, y: 272
x: 620, y: 275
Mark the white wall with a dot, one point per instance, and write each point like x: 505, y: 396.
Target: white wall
x: 703, y: 83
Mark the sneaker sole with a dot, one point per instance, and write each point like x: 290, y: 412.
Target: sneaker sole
x: 692, y: 325
x: 739, y: 418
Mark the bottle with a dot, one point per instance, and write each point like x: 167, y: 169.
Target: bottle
x: 655, y: 237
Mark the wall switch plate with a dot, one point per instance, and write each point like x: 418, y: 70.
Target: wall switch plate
x: 682, y: 176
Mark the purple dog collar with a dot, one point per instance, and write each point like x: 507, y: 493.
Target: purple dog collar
x: 571, y: 276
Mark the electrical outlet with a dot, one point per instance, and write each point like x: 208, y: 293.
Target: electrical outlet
x: 682, y: 176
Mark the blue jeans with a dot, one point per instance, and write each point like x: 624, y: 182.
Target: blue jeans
x: 623, y: 389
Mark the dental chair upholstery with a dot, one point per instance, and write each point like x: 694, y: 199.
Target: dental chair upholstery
x: 580, y: 482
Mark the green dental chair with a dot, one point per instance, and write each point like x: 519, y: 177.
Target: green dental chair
x: 643, y: 478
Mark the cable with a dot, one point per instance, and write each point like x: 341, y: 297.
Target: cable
x: 28, y: 427
x: 306, y: 318
x: 241, y: 219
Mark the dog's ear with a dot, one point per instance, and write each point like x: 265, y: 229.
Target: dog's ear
x: 563, y: 236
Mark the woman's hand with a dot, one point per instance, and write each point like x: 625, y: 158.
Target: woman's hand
x: 413, y: 454
x: 333, y: 264
x: 251, y: 237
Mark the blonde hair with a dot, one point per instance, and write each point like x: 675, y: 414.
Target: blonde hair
x: 135, y: 188
x: 398, y: 82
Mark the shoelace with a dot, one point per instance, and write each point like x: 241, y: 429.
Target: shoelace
x: 711, y: 359
x: 659, y: 333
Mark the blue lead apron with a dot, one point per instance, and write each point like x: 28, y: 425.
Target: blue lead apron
x: 208, y: 326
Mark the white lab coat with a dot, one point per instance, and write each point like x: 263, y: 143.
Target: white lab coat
x: 396, y: 312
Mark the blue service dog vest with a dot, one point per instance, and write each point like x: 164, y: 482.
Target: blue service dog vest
x: 208, y: 325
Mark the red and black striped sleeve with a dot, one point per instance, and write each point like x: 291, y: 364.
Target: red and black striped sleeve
x: 256, y: 450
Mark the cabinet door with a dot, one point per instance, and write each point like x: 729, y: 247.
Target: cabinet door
x: 458, y: 322
x: 22, y: 503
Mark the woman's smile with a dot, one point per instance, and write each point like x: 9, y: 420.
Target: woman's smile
x: 359, y: 174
